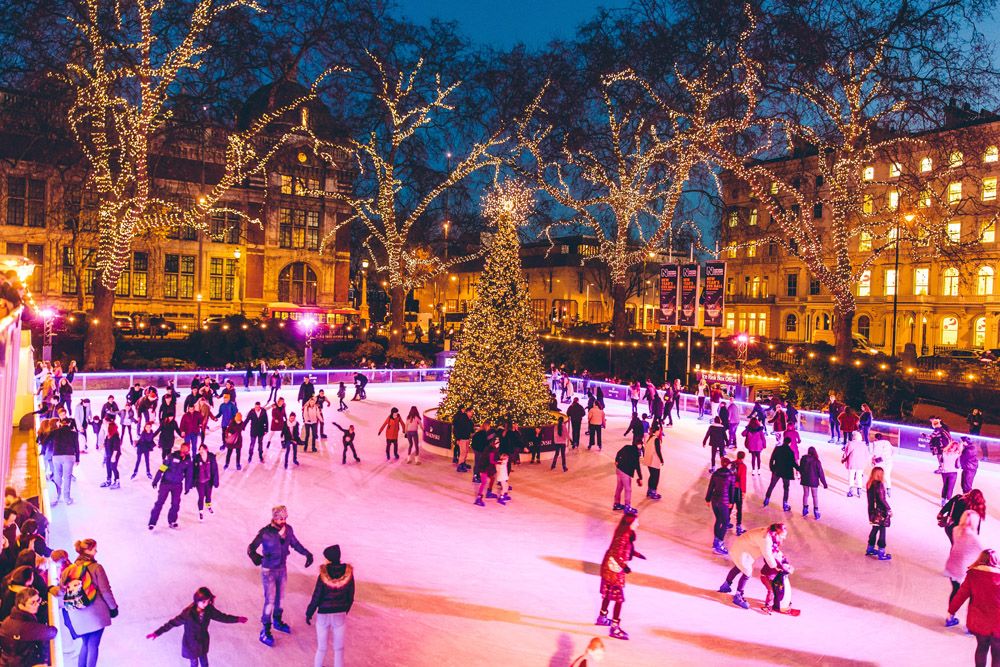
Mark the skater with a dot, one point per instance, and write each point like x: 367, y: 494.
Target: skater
x: 360, y: 380
x: 952, y: 512
x: 392, y: 425
x: 775, y: 583
x: 717, y: 436
x: 168, y: 432
x: 950, y: 467
x: 755, y: 441
x: 668, y: 405
x: 23, y: 637
x: 783, y: 467
x: 176, y: 475
x: 232, y: 437
x: 733, y: 419
x: 274, y: 386
x: 88, y: 603
x: 501, y: 460
x: 939, y: 439
x: 779, y: 423
x: 739, y: 469
x: 849, y: 423
x: 257, y: 422
x: 348, y: 442
x: 190, y: 426
x: 982, y: 589
x: 879, y: 514
x: 83, y: 416
x: 627, y: 465
x: 168, y: 407
x: 128, y: 421
x: 792, y: 437
x: 811, y: 475
x: 969, y: 462
x: 965, y: 549
x: 332, y: 599
x: 702, y: 393
x: 205, y: 473
x: 614, y: 567
x: 274, y: 540
x: 414, y: 423
x: 854, y: 459
x: 341, y: 393
x: 143, y: 446
x: 311, y: 417
x: 634, y: 394
x: 112, y: 454
x: 865, y: 422
x: 534, y: 442
x: 485, y: 466
x: 882, y: 455
x: 279, y: 416
x: 721, y: 488
x: 226, y: 414
x: 753, y: 544
x: 834, y: 408
x: 291, y: 440
x: 195, y: 620
x: 653, y: 458
x: 575, y: 413
x: 462, y: 428
x: 559, y: 438
x: 595, y: 424
x: 593, y: 655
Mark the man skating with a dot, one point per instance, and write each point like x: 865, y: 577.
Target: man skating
x: 174, y: 476
x: 274, y: 540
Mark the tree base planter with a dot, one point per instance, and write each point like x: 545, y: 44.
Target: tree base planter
x: 437, y: 432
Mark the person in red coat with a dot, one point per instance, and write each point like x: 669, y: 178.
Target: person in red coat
x: 614, y: 567
x: 982, y: 589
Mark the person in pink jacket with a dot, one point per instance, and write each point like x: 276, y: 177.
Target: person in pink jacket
x: 755, y: 440
x: 982, y: 590
x: 856, y: 459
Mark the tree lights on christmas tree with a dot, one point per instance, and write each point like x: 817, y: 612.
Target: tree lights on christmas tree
x: 498, y: 371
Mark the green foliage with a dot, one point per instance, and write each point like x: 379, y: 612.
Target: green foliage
x: 888, y: 393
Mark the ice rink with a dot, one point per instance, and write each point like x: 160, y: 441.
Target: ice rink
x: 442, y: 582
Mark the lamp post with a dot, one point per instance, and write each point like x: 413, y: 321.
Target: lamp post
x: 364, y: 295
x: 47, y: 317
x: 197, y: 298
x: 309, y: 324
x: 239, y: 281
x: 742, y: 347
x: 895, y: 288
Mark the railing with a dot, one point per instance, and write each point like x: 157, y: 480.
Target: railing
x: 10, y: 357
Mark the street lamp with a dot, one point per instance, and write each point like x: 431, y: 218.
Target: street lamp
x: 239, y: 282
x: 48, y: 315
x: 895, y: 290
x: 742, y: 342
x: 309, y: 325
x: 364, y: 295
x: 197, y: 297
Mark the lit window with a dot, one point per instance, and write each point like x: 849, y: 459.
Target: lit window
x: 921, y: 281
x: 865, y: 242
x: 868, y: 204
x: 924, y: 200
x: 865, y: 284
x: 949, y: 331
x: 893, y: 233
x: 890, y: 282
x: 752, y: 249
x: 954, y: 192
x: 774, y: 187
x: 731, y: 252
x: 950, y: 284
x: 730, y: 320
x: 988, y: 232
x: 954, y: 231
x: 979, y: 333
x: 990, y: 188
x: 926, y: 164
x: 893, y: 200
x: 734, y: 218
x: 869, y: 173
x: 984, y: 281
x: 992, y: 154
x: 956, y: 159
x: 895, y: 169
x: 753, y: 215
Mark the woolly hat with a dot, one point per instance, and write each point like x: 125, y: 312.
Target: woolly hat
x: 279, y: 512
x: 332, y: 554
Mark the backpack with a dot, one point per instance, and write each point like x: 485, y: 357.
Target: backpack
x: 79, y: 591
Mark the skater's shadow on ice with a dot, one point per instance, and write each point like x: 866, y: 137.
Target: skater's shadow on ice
x: 740, y: 648
x: 564, y: 651
x: 635, y: 578
x: 824, y: 589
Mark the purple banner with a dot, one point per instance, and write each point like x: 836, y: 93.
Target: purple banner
x: 715, y: 293
x: 668, y: 294
x: 688, y: 316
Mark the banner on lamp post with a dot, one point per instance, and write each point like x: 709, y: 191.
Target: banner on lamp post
x: 688, y: 315
x: 668, y: 294
x: 715, y: 293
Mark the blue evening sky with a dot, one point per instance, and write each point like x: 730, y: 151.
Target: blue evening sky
x: 503, y: 24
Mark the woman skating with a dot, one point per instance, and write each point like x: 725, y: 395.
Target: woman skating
x: 112, y: 454
x: 232, y: 438
x: 783, y: 467
x: 311, y: 417
x: 414, y: 423
x: 332, y: 599
x: 982, y: 589
x: 560, y: 436
x: 143, y: 446
x: 278, y: 418
x: 614, y: 567
x: 879, y: 514
x: 653, y: 458
x: 88, y: 601
x: 206, y: 478
x: 392, y: 426
x: 195, y: 620
x: 755, y: 440
x: 811, y: 475
x: 950, y: 466
x: 855, y: 458
x: 965, y: 549
x: 745, y: 550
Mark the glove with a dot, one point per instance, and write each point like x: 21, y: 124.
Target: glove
x: 257, y: 559
x: 636, y: 554
x: 308, y: 620
x: 114, y: 613
x: 154, y: 485
x: 309, y: 560
x: 626, y: 569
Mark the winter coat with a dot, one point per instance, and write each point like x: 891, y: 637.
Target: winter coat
x: 145, y: 442
x: 462, y: 426
x: 950, y: 461
x: 334, y: 590
x: 82, y: 413
x: 652, y: 455
x: 213, y: 468
x: 982, y: 589
x: 614, y: 565
x: 811, y: 472
x: 275, y: 548
x: 311, y: 414
x: 391, y: 426
x: 865, y: 420
x: 278, y: 417
x: 965, y: 548
x: 235, y: 428
x: 306, y: 391
x: 969, y: 459
x: 751, y: 545
x: 576, y: 413
x: 167, y: 408
x: 854, y: 455
x: 226, y: 412
x: 176, y: 469
x: 720, y: 487
x: 595, y: 416
x: 879, y: 512
x: 98, y: 615
x: 627, y: 460
x: 779, y: 422
x: 65, y: 442
x: 739, y: 475
x: 413, y: 424
x: 717, y: 435
x: 190, y: 423
x: 882, y: 454
x: 756, y: 439
x: 783, y: 462
x: 848, y: 422
x: 21, y: 640
x: 636, y: 429
x: 195, y: 642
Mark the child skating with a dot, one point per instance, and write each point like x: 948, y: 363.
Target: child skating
x: 195, y: 620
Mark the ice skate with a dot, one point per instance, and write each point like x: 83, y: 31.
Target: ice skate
x: 479, y: 501
x: 281, y: 626
x: 739, y: 530
x: 726, y: 587
x: 951, y: 622
x: 850, y: 492
x: 816, y: 513
x: 870, y: 551
x: 786, y: 507
x: 617, y: 632
x: 490, y: 494
x: 201, y: 516
x: 616, y: 507
x: 115, y: 485
x: 602, y: 619
x: 106, y: 484
x: 266, y: 638
x: 805, y: 511
x: 882, y: 555
x: 740, y: 602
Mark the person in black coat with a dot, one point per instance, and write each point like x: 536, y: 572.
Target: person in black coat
x: 810, y: 476
x: 332, y: 598
x: 206, y: 477
x: 576, y: 413
x: 22, y: 636
x: 176, y: 475
x: 257, y: 419
x: 306, y: 390
x: 721, y: 488
x: 195, y: 619
x: 168, y: 432
x: 783, y: 467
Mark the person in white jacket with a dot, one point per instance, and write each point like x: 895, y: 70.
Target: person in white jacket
x: 855, y: 458
x: 745, y: 550
x: 964, y: 552
x: 882, y: 455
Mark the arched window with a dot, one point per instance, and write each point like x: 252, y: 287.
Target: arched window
x: 949, y: 331
x: 297, y: 284
x: 984, y: 281
x: 950, y: 286
x: 824, y: 322
x: 791, y: 323
x: 979, y: 332
x: 865, y: 326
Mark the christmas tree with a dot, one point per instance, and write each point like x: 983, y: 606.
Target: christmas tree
x: 498, y: 370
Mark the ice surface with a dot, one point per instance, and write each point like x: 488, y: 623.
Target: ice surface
x: 442, y: 582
